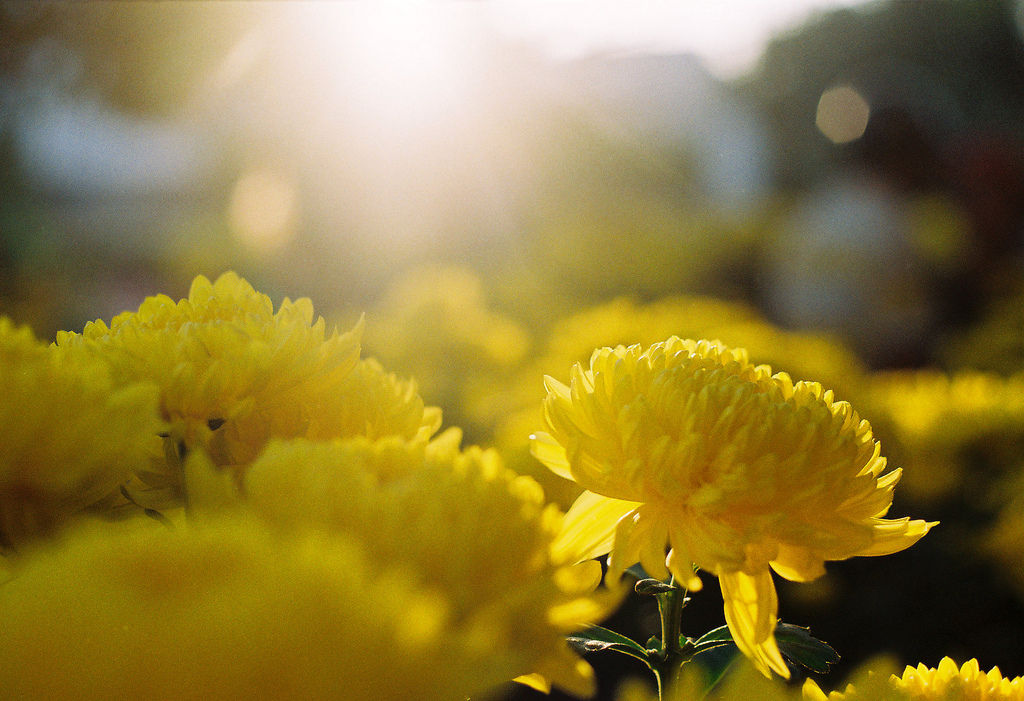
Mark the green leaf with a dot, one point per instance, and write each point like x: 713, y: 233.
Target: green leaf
x: 716, y: 663
x: 598, y: 638
x: 713, y: 638
x: 798, y: 645
x: 795, y: 643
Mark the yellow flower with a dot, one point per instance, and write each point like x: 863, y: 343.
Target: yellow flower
x: 626, y: 321
x: 968, y: 683
x: 466, y: 525
x: 374, y: 403
x: 232, y: 372
x: 738, y: 471
x: 946, y: 683
x: 224, y: 610
x: 69, y: 436
x: 442, y: 312
x: 935, y: 418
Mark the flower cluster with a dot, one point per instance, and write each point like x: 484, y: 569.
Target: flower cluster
x: 738, y: 471
x: 482, y: 540
x: 216, y: 498
x: 227, y: 611
x: 71, y: 436
x: 232, y: 372
x: 322, y: 542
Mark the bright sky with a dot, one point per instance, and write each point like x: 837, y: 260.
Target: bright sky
x: 728, y: 34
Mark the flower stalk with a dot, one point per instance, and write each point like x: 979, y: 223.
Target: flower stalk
x: 671, y: 656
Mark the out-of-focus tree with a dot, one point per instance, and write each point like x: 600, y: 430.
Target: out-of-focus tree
x: 934, y: 67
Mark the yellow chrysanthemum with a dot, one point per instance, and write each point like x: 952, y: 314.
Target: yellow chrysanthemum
x: 945, y: 683
x: 738, y: 471
x: 224, y: 610
x: 462, y: 522
x: 374, y: 403
x: 232, y: 372
x: 69, y: 436
x: 626, y: 321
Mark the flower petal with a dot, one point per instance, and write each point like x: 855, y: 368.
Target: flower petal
x: 551, y: 453
x: 798, y: 564
x: 588, y: 528
x: 894, y: 535
x: 537, y: 682
x: 751, y: 608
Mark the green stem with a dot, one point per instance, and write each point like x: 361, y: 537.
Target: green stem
x: 671, y: 655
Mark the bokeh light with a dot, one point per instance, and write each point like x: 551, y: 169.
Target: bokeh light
x: 263, y: 211
x: 842, y: 114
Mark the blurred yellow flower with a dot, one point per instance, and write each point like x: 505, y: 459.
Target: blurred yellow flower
x: 626, y: 321
x: 687, y: 444
x: 935, y: 417
x: 222, y: 611
x: 374, y: 403
x: 232, y: 372
x: 69, y: 436
x: 945, y: 683
x: 466, y: 525
x: 435, y: 324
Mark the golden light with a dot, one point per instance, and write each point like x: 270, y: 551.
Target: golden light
x: 843, y: 114
x: 397, y: 64
x: 263, y: 211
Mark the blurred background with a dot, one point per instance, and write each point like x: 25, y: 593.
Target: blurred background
x: 502, y: 186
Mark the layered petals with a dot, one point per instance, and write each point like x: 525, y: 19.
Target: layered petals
x: 946, y: 682
x: 728, y: 467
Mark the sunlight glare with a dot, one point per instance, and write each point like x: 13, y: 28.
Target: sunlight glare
x: 396, y: 62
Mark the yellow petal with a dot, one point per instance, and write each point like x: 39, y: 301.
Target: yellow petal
x: 564, y: 670
x: 751, y: 608
x: 534, y: 681
x: 208, y: 488
x: 798, y: 564
x: 588, y: 529
x: 551, y: 453
x: 812, y: 692
x: 894, y: 535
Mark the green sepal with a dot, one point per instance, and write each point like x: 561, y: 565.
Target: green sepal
x: 598, y: 638
x: 653, y: 587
